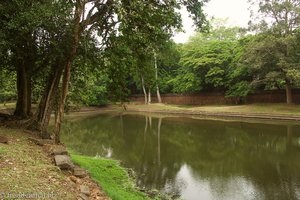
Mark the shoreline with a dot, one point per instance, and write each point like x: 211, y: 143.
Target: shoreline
x: 172, y: 109
x: 231, y: 115
x: 23, y: 153
x: 226, y: 111
x: 28, y: 166
x: 117, y: 181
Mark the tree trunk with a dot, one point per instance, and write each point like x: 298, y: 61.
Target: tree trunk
x: 23, y: 106
x: 156, y: 78
x: 158, y: 95
x: 67, y: 71
x: 288, y: 89
x: 29, y: 94
x: 47, y: 104
x: 149, y: 96
x: 41, y: 118
x: 144, y: 90
x: 24, y: 62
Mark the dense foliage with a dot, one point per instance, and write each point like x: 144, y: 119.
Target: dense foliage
x: 122, y: 48
x: 56, y: 53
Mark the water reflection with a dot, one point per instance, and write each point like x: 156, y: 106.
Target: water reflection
x: 196, y: 159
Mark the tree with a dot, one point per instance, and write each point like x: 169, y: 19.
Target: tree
x: 137, y: 20
x: 89, y: 80
x: 239, y: 76
x: 41, y: 39
x: 168, y: 59
x: 146, y: 39
x: 269, y: 63
x: 146, y: 73
x: 279, y: 19
x: 119, y: 63
x: 156, y: 78
x: 19, y: 47
x: 206, y: 60
x: 32, y: 31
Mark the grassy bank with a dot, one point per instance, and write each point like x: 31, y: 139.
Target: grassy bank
x: 114, y: 180
x: 262, y: 108
x: 26, y: 168
x: 278, y: 109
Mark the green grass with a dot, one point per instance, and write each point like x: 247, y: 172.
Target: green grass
x: 114, y: 180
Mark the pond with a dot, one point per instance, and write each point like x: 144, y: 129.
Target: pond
x: 196, y: 158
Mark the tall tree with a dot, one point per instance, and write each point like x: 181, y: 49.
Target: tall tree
x: 32, y: 31
x: 206, y: 60
x: 20, y: 46
x: 280, y: 19
x: 145, y: 38
x: 79, y: 10
x: 44, y: 36
x: 239, y: 76
x: 168, y: 58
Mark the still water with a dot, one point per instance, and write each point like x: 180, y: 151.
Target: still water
x: 196, y: 159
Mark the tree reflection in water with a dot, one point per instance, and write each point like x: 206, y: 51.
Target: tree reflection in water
x: 196, y: 159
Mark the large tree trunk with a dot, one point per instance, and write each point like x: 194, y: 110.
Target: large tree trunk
x: 47, y: 104
x: 156, y: 78
x: 67, y: 71
x: 288, y: 89
x: 24, y: 63
x: 23, y: 106
x: 40, y: 120
x: 144, y: 90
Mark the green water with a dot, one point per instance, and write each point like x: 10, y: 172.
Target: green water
x: 196, y: 159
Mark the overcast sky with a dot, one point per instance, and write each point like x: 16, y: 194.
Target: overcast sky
x: 235, y: 10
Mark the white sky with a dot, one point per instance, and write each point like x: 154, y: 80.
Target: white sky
x: 235, y: 10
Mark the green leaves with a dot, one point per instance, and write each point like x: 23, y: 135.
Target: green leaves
x: 186, y: 82
x: 272, y: 60
x: 7, y: 86
x: 215, y: 76
x: 195, y: 7
x: 125, y: 35
x: 206, y: 59
x: 240, y: 89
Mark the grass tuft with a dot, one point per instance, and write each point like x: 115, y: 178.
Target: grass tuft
x: 114, y: 180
